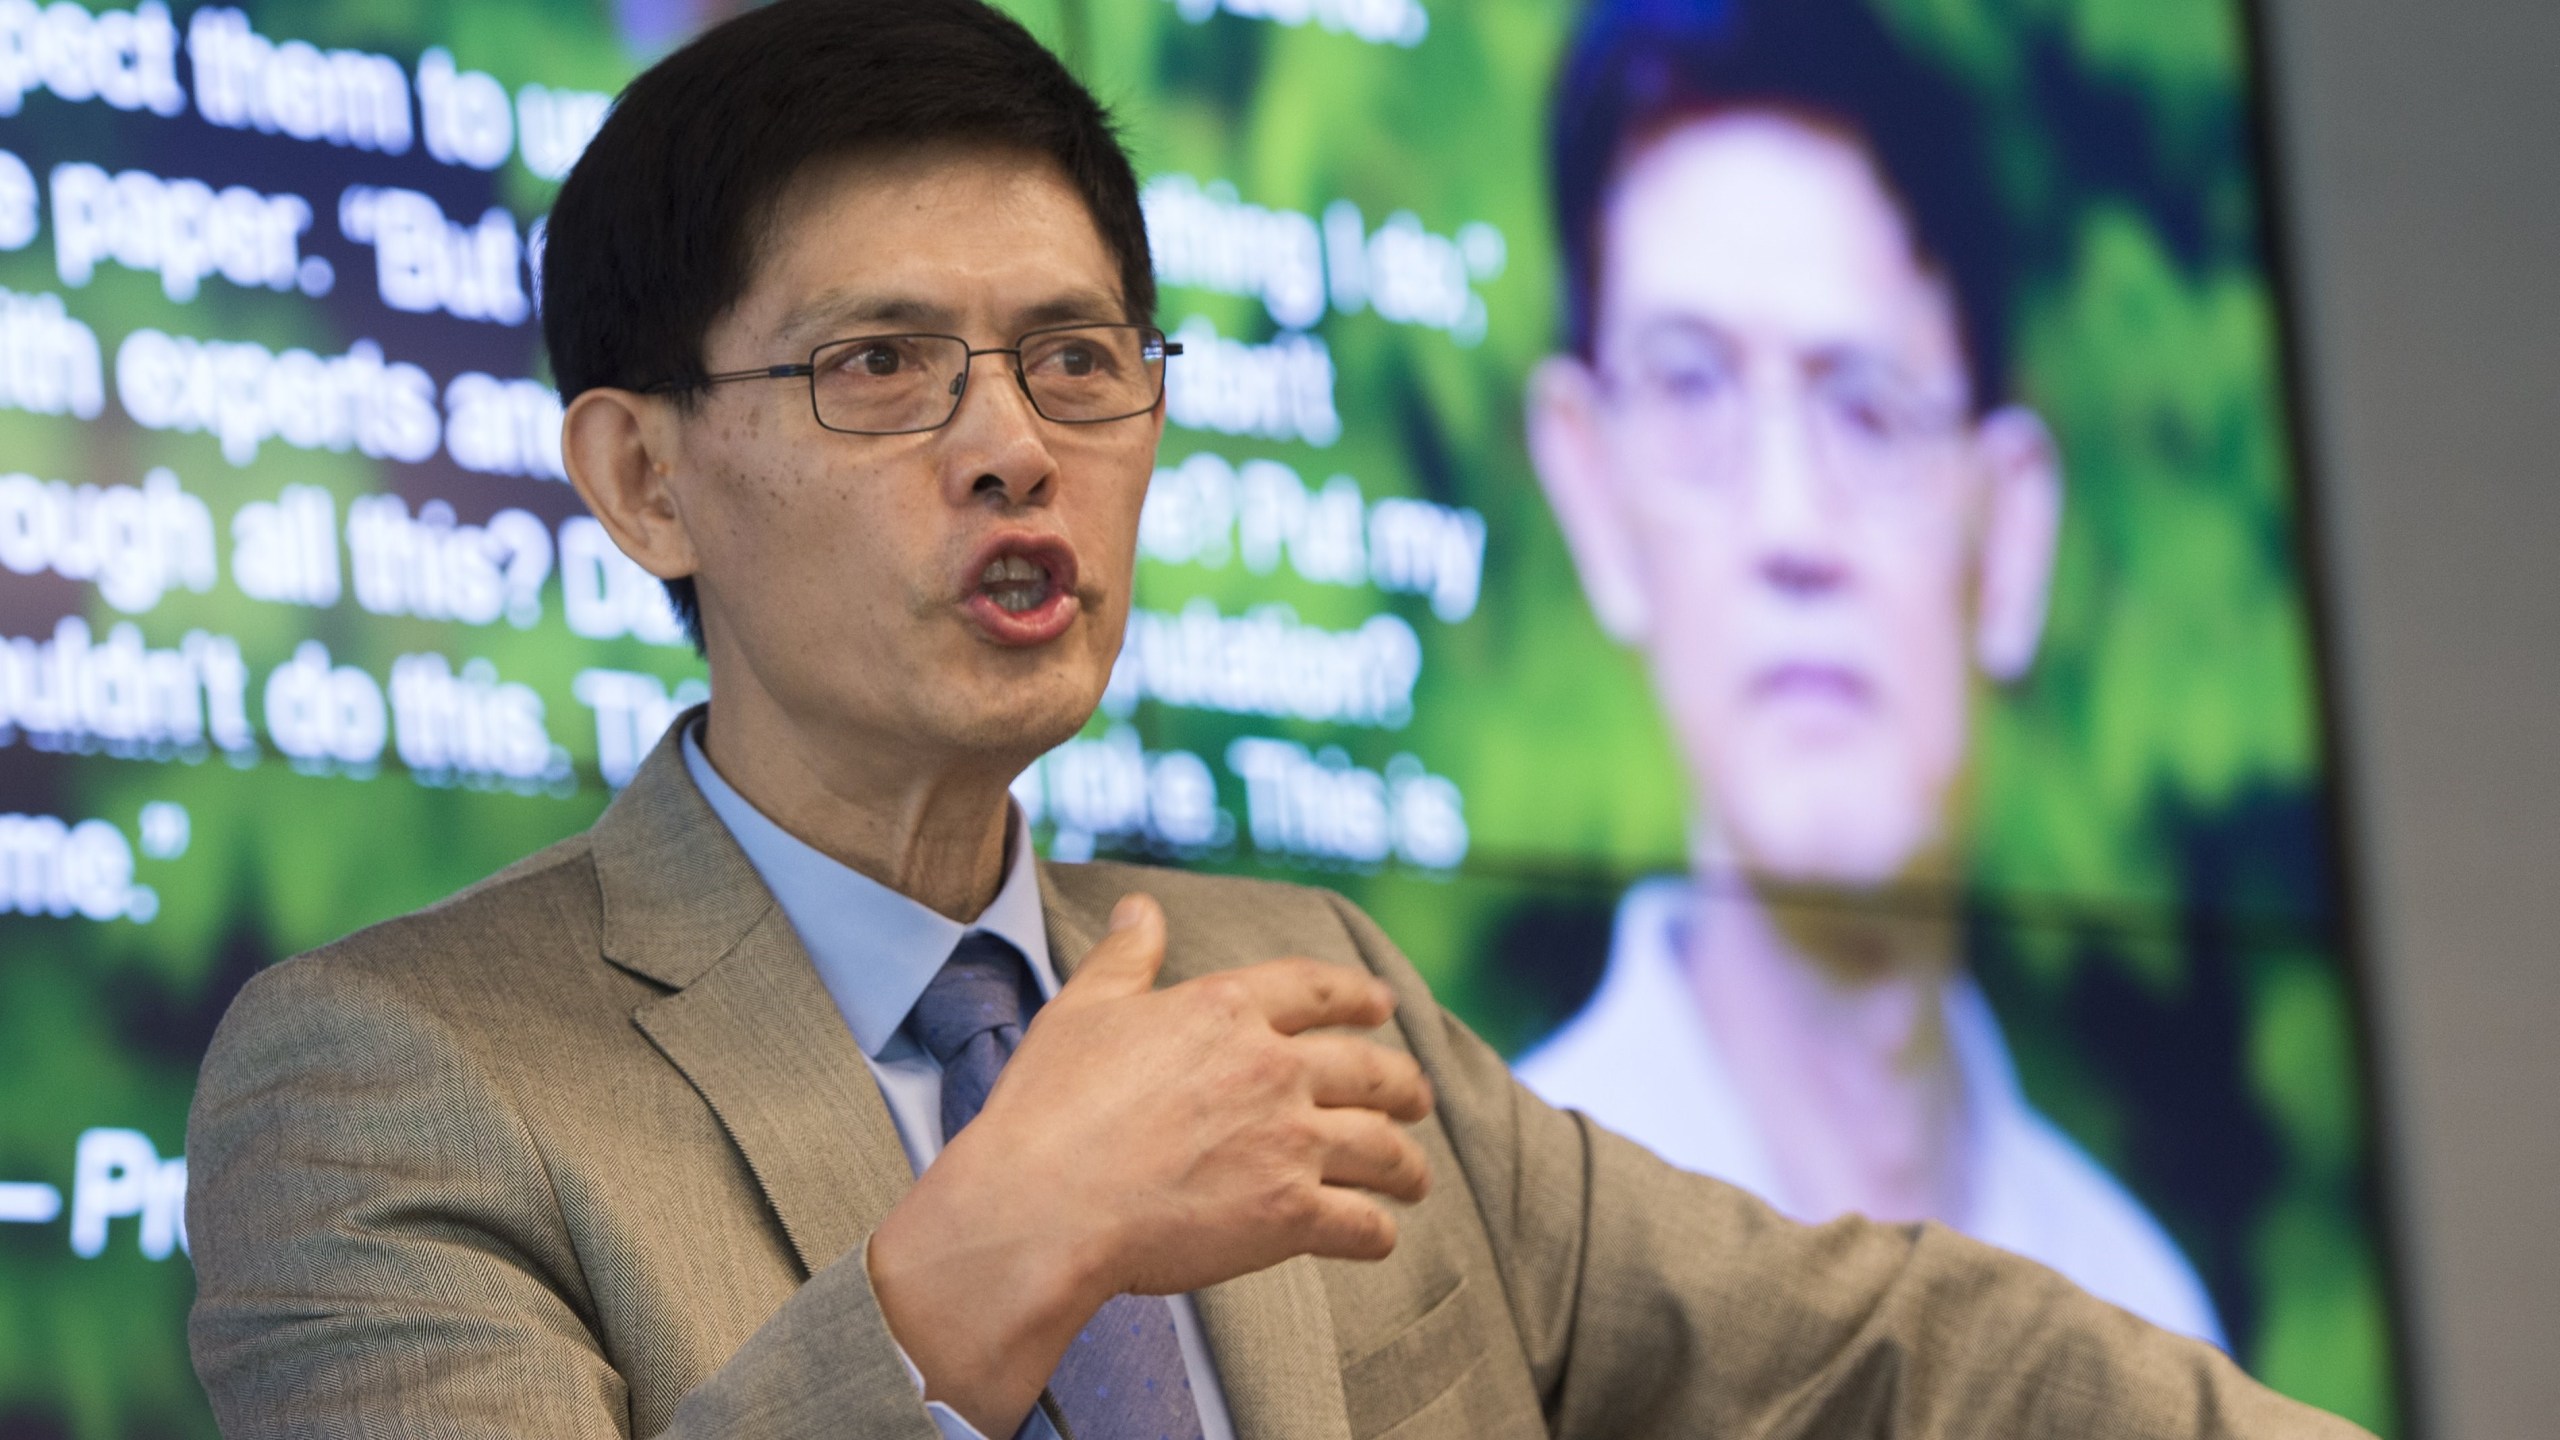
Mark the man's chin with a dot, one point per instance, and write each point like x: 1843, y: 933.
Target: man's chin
x: 1816, y: 874
x: 1028, y: 715
x: 1839, y: 846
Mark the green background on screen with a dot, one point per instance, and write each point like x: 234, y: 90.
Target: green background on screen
x: 2153, y: 890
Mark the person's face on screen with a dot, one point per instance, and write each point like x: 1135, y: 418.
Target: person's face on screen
x: 1773, y: 480
x: 847, y: 576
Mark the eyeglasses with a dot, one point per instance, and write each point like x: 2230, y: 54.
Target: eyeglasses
x: 1698, y: 407
x: 903, y: 384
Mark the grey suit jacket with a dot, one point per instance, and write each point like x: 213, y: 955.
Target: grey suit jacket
x: 587, y: 1151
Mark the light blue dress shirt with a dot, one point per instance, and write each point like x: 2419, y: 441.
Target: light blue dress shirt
x: 875, y: 951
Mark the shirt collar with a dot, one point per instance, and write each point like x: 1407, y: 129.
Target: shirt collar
x: 875, y: 949
x: 1644, y: 1006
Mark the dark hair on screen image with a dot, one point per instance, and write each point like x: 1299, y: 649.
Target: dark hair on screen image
x: 656, y: 230
x: 1639, y: 69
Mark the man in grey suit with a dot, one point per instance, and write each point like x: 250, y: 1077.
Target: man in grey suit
x: 795, y: 1098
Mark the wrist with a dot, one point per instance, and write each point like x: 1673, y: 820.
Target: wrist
x: 983, y: 1289
x: 994, y: 1213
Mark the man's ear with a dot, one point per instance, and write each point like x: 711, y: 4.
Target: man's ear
x: 2021, y: 529
x: 621, y: 447
x: 1572, y: 462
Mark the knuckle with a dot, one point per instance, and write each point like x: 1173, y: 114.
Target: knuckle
x: 1392, y: 1153
x: 1381, y: 1097
x: 1290, y: 1206
x: 1224, y: 994
x: 1270, y: 1066
x: 1301, y: 1139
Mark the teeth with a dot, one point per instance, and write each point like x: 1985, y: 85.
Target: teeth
x: 1015, y: 583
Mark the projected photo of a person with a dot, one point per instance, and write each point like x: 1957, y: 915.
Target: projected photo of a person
x: 1787, y: 460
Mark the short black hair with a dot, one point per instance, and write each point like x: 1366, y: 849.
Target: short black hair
x: 1639, y: 69
x: 656, y: 230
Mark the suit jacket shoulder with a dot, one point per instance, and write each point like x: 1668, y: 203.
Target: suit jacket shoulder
x: 573, y: 1153
x: 1211, y: 921
x: 543, y: 909
x: 505, y: 974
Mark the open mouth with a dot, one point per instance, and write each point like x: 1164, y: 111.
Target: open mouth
x: 1015, y: 583
x: 1022, y: 589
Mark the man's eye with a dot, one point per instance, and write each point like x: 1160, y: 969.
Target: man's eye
x: 1080, y: 358
x: 1692, y: 382
x: 874, y: 360
x: 1074, y: 360
x: 1864, y: 415
x: 1868, y: 413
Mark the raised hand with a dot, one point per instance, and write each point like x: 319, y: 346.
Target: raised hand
x: 1148, y: 1140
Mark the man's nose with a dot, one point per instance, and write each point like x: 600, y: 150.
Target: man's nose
x: 1799, y: 574
x: 1796, y: 508
x: 996, y: 441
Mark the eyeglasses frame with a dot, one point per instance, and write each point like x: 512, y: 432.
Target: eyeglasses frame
x: 1944, y: 419
x: 960, y: 393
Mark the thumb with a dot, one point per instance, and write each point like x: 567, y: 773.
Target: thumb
x: 1126, y: 961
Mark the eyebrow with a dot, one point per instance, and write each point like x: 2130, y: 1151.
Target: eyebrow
x: 833, y: 312
x: 1823, y: 356
x: 1076, y: 307
x: 836, y: 313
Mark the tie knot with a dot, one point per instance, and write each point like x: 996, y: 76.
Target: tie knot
x: 983, y: 986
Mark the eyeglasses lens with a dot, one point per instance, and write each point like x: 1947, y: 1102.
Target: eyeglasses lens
x: 882, y: 384
x: 889, y: 384
x: 1105, y: 372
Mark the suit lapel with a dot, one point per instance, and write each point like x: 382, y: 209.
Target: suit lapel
x: 1271, y: 1332
x: 753, y: 1030
x: 748, y: 1022
x: 762, y: 1041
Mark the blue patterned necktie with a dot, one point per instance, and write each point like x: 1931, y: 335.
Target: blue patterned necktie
x: 1123, y: 1377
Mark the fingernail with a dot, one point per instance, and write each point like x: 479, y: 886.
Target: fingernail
x: 1131, y: 910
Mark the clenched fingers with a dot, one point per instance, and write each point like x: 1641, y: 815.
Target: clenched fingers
x: 1366, y: 1151
x: 1296, y: 995
x: 1342, y: 1224
x: 1347, y: 1071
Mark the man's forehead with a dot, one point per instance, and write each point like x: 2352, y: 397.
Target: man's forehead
x: 1758, y: 221
x: 875, y: 308
x: 936, y: 239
